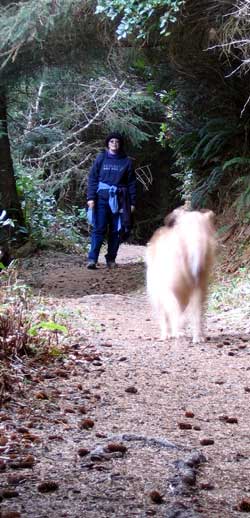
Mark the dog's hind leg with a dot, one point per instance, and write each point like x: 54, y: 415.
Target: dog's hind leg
x: 197, y: 309
x: 174, y: 313
x: 163, y: 321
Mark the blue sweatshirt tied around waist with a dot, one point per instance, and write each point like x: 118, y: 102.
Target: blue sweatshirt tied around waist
x: 116, y: 170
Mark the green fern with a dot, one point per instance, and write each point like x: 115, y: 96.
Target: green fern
x: 205, y: 188
x: 213, y: 137
x: 242, y: 202
x: 238, y: 160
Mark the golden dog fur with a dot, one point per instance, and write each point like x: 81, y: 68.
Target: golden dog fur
x: 179, y: 260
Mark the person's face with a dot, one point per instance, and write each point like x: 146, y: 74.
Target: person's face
x: 113, y: 145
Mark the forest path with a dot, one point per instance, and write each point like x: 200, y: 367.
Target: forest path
x: 124, y: 425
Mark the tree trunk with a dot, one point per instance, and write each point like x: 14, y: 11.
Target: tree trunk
x: 8, y: 193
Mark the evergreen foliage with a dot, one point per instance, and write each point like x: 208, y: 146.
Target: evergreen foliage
x: 60, y: 125
x: 207, y: 100
x: 38, y: 32
x: 32, y: 34
x: 142, y: 18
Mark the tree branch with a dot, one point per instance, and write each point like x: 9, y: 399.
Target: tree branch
x: 89, y: 123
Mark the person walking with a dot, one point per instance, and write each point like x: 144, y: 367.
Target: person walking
x: 111, y: 197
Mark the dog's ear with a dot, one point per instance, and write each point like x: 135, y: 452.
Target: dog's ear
x: 210, y: 215
x: 170, y: 219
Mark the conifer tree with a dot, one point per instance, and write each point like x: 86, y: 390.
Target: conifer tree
x: 34, y: 33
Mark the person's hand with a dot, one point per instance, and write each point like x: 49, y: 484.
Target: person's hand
x: 132, y: 207
x: 91, y: 204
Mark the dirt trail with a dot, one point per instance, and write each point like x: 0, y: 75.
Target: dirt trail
x: 116, y: 427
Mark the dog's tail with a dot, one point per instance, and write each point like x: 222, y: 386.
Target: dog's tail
x: 195, y: 262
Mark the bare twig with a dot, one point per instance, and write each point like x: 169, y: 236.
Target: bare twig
x: 79, y: 131
x: 144, y: 176
x: 34, y: 109
x: 77, y: 165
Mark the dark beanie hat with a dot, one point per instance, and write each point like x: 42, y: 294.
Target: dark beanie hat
x: 116, y: 135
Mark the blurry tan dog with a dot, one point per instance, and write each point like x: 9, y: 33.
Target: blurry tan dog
x: 179, y: 259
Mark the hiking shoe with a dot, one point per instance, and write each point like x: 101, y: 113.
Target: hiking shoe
x: 91, y: 265
x: 111, y: 265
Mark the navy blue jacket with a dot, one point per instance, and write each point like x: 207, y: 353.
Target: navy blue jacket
x: 114, y: 170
